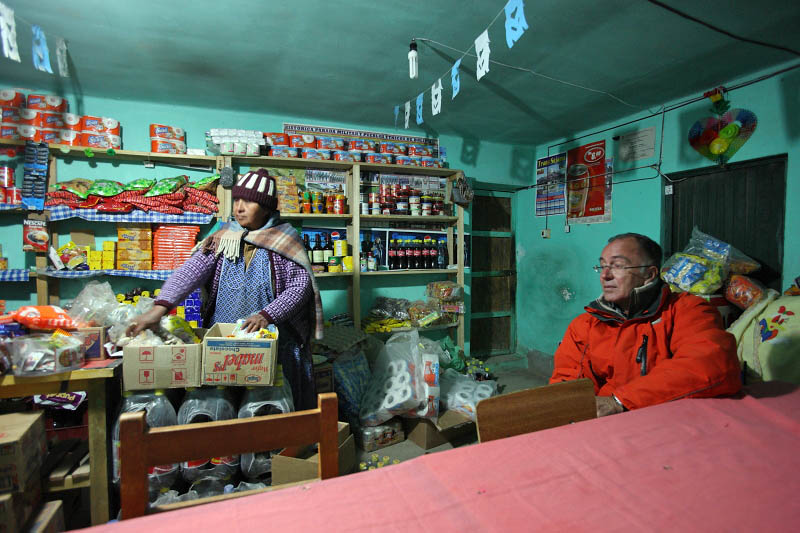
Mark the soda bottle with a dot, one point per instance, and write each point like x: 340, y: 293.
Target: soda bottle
x: 426, y: 253
x: 262, y: 401
x: 159, y: 412
x: 434, y: 254
x: 207, y: 404
x: 392, y: 261
x: 418, y: 254
x: 402, y: 259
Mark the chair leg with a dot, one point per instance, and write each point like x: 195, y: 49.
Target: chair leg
x: 134, y: 490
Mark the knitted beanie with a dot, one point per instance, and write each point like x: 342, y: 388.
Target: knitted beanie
x: 257, y: 187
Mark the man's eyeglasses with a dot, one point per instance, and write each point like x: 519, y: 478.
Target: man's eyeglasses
x: 615, y: 269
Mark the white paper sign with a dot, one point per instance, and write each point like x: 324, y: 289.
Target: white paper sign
x: 8, y: 29
x: 638, y: 145
x: 482, y: 49
x: 436, y: 97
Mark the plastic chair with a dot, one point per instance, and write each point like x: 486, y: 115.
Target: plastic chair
x: 142, y: 447
x: 531, y: 410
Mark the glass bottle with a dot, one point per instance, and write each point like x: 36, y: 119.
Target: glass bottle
x: 318, y: 253
x: 327, y: 251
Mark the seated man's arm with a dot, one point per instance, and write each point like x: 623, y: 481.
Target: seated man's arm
x: 569, y: 357
x: 703, y: 364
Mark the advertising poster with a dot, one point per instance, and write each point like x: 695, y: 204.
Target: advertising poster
x: 551, y: 174
x: 589, y: 182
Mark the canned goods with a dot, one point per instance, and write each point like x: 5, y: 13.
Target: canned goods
x: 339, y: 205
x: 318, y: 208
x: 307, y: 207
x: 364, y: 209
x: 386, y: 211
x: 13, y: 195
x: 356, y: 155
x: 375, y: 211
x: 374, y: 197
x: 6, y: 176
x: 414, y: 200
x: 375, y: 205
x: 340, y: 248
x: 402, y: 206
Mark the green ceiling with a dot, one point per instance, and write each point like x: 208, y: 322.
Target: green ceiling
x: 345, y: 62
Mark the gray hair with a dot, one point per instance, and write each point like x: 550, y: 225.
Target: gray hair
x: 650, y: 248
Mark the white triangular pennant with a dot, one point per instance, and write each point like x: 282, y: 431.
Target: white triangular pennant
x: 8, y: 33
x: 482, y: 49
x: 436, y: 97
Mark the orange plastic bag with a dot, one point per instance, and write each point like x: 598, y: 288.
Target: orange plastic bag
x: 41, y: 317
x: 743, y: 291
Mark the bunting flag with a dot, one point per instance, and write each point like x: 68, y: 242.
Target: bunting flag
x: 61, y: 58
x: 436, y: 97
x: 515, y: 21
x: 515, y: 26
x: 8, y: 31
x: 455, y: 79
x: 41, y: 55
x: 396, y: 114
x: 482, y: 49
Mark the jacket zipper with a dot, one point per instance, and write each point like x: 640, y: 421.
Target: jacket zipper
x: 641, y: 355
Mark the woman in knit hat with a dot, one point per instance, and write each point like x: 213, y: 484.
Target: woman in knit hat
x: 256, y: 269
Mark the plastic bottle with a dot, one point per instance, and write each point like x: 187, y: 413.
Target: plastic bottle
x: 159, y: 413
x: 262, y: 401
x: 392, y: 259
x: 402, y: 258
x: 418, y: 254
x: 207, y: 405
x: 426, y: 253
x: 442, y: 255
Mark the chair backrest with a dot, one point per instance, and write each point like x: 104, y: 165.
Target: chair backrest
x: 142, y: 447
x: 531, y: 410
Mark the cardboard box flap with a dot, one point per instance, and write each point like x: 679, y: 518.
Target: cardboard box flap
x: 451, y: 419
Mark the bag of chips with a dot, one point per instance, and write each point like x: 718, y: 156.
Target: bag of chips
x: 716, y: 250
x: 104, y: 188
x: 77, y: 186
x: 142, y: 184
x: 167, y: 186
x: 208, y: 184
x: 41, y: 317
x: 743, y: 291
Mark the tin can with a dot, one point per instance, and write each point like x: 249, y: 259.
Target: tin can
x: 402, y: 160
x: 318, y: 208
x: 307, y: 207
x: 340, y: 247
x: 374, y: 197
x: 364, y: 208
x: 13, y: 195
x: 375, y: 210
x: 6, y: 176
x: 339, y: 205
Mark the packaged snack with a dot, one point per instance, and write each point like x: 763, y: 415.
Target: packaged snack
x: 693, y: 273
x: 208, y: 184
x: 270, y: 332
x: 73, y: 256
x: 167, y: 186
x: 720, y: 251
x: 743, y: 291
x: 105, y: 188
x: 180, y: 328
x: 41, y: 317
x: 36, y: 355
x: 142, y: 184
x: 445, y: 290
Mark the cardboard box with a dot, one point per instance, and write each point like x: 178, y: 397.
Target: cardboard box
x: 95, y: 342
x: 134, y: 265
x: 134, y: 254
x: 134, y: 233
x: 229, y: 361
x: 109, y: 246
x: 49, y: 519
x: 161, y: 367
x: 323, y: 378
x: 451, y: 426
x: 288, y: 469
x: 134, y: 245
x: 23, y: 447
x: 17, y: 507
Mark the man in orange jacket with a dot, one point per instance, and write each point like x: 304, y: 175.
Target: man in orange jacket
x: 642, y: 344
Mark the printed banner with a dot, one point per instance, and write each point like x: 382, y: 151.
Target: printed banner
x: 589, y: 184
x: 551, y: 177
x: 305, y: 129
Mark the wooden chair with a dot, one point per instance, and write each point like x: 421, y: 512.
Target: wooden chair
x: 142, y: 447
x: 531, y: 410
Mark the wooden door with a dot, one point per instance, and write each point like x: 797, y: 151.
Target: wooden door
x: 494, y: 278
x: 742, y: 204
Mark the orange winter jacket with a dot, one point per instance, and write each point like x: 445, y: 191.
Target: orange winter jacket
x: 674, y: 349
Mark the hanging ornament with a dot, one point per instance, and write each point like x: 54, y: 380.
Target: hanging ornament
x: 61, y: 58
x: 41, y: 55
x: 396, y: 114
x: 515, y: 21
x: 419, y: 108
x: 482, y: 49
x: 455, y: 79
x: 436, y: 97
x: 720, y: 136
x: 408, y: 112
x: 8, y: 33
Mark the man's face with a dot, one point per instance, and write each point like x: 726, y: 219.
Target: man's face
x: 618, y: 283
x: 249, y: 215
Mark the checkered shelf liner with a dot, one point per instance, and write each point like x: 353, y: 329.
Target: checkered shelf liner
x: 143, y: 274
x: 10, y: 207
x: 61, y: 212
x: 15, y: 274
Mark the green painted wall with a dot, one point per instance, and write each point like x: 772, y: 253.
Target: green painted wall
x: 555, y: 277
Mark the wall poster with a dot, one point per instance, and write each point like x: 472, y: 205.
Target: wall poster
x: 589, y: 181
x: 551, y: 177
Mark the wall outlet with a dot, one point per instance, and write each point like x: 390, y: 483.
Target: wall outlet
x: 566, y: 228
x: 545, y: 234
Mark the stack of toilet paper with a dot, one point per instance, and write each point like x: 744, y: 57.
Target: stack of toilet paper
x: 462, y: 393
x: 394, y: 392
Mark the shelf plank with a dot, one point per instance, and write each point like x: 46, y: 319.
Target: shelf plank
x: 423, y: 271
x: 307, y: 216
x: 332, y: 274
x: 407, y: 169
x: 421, y: 330
x: 367, y: 220
x: 293, y: 162
x: 63, y: 150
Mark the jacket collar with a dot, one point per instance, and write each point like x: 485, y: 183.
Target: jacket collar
x: 646, y: 301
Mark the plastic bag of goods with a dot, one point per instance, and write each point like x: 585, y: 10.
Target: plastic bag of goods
x: 461, y: 393
x: 41, y: 317
x: 263, y: 401
x: 40, y: 355
x: 159, y: 412
x: 693, y: 273
x: 720, y: 251
x: 447, y: 291
x: 94, y: 304
x: 743, y: 291
x: 397, y: 386
x: 207, y: 405
x: 351, y: 377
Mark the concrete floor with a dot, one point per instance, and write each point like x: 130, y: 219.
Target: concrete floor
x: 514, y: 372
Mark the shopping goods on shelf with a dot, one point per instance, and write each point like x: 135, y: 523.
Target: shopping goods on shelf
x: 173, y: 245
x: 377, y: 437
x: 225, y: 141
x: 43, y: 354
x: 394, y: 194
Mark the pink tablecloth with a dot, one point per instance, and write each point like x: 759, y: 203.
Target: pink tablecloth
x: 690, y: 465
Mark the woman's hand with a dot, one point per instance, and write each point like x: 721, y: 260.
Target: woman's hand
x: 146, y: 320
x: 254, y: 323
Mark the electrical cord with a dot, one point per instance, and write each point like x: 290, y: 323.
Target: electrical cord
x: 720, y: 30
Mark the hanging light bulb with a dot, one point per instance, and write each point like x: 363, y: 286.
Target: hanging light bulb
x: 412, y: 60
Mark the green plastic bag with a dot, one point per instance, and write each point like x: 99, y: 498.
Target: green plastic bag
x: 456, y: 356
x: 167, y: 186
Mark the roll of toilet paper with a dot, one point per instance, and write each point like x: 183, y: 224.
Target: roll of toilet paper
x: 395, y: 367
x: 483, y: 391
x: 397, y: 399
x: 460, y: 398
x: 402, y: 379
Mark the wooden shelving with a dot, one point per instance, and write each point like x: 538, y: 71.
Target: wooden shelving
x: 416, y: 272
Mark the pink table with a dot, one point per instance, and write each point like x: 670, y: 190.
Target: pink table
x: 691, y: 465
